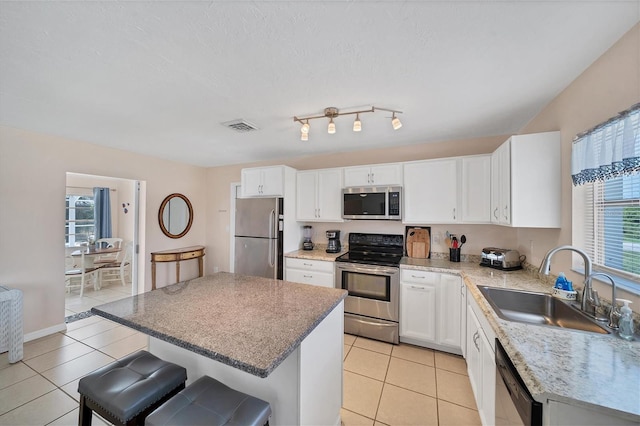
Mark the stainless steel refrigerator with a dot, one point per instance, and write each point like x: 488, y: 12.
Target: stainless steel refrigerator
x: 258, y: 237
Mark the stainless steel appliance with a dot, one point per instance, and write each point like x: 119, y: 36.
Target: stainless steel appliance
x: 370, y: 272
x: 333, y: 246
x: 514, y: 403
x: 258, y: 237
x: 503, y: 259
x: 372, y: 202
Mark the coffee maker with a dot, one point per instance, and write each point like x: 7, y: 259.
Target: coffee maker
x: 333, y: 246
x: 307, y: 232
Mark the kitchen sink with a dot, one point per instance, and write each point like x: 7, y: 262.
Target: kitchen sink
x: 538, y: 309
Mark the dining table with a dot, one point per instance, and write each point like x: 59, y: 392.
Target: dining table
x: 89, y: 253
x: 87, y: 265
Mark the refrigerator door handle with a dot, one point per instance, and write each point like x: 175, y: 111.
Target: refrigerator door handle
x: 272, y: 225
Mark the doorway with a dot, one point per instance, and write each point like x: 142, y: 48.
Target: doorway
x: 110, y: 276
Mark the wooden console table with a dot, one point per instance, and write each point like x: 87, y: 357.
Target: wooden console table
x: 177, y: 255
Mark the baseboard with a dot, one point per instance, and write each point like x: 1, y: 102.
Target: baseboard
x: 45, y: 332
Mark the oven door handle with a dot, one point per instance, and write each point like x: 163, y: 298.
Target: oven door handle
x: 368, y: 269
x: 377, y: 324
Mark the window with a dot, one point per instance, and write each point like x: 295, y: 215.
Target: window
x: 606, y: 171
x: 612, y: 225
x: 80, y: 223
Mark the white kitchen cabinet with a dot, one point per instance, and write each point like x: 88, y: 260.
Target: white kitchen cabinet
x: 475, y: 191
x: 306, y: 271
x: 481, y: 366
x: 526, y: 181
x: 381, y: 174
x: 418, y: 300
x: 264, y: 181
x: 450, y: 190
x: 431, y: 191
x: 452, y: 304
x: 431, y: 310
x: 319, y: 195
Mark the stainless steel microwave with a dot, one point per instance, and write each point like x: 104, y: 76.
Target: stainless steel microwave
x: 372, y: 202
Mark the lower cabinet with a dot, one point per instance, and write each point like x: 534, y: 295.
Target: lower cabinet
x: 431, y: 310
x: 481, y: 365
x: 305, y: 271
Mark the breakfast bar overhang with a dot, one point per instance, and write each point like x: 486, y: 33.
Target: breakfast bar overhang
x: 279, y: 341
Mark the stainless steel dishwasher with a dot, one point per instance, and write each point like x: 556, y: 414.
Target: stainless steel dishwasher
x: 514, y: 403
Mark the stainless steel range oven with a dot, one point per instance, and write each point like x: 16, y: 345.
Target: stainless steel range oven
x: 370, y: 272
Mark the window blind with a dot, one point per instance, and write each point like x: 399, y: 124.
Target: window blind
x: 612, y: 225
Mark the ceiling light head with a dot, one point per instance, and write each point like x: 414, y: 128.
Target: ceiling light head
x: 357, y: 125
x: 304, y: 136
x: 305, y: 127
x: 331, y: 129
x: 395, y: 122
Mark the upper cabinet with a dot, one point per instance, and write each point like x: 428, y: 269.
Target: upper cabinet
x: 475, y: 191
x: 319, y: 194
x: 264, y: 181
x: 450, y: 190
x: 381, y: 174
x: 526, y: 181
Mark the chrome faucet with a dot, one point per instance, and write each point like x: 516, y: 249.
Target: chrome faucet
x: 614, y: 314
x: 589, y: 301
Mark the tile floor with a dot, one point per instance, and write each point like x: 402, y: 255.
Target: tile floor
x: 110, y: 291
x: 383, y: 384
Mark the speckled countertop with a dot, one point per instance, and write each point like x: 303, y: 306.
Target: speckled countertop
x: 318, y: 253
x: 249, y: 323
x: 564, y: 365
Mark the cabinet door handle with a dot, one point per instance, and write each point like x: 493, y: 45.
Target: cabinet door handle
x: 462, y: 289
x: 368, y: 177
x: 454, y: 213
x: 495, y: 213
x: 417, y: 287
x: 372, y: 179
x: 307, y: 264
x: 417, y: 276
x: 318, y: 212
x: 308, y: 276
x: 475, y: 340
x: 505, y: 213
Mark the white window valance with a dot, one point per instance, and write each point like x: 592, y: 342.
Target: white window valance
x: 609, y: 150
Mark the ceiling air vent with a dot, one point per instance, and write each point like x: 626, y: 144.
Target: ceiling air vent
x: 240, y: 125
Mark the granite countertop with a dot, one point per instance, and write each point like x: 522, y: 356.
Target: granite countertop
x: 575, y: 367
x: 318, y: 253
x: 249, y: 323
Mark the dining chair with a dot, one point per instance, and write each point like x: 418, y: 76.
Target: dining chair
x: 77, y: 275
x: 118, y: 271
x: 108, y: 243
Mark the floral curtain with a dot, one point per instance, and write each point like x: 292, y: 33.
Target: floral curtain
x: 609, y: 150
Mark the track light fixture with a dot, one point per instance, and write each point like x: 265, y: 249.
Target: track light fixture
x: 332, y: 112
x: 357, y: 125
x: 395, y: 122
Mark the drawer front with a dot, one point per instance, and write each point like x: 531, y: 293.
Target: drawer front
x: 191, y: 254
x: 419, y: 277
x: 164, y: 257
x: 323, y: 279
x: 310, y: 265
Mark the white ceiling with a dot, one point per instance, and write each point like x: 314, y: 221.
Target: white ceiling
x: 158, y: 78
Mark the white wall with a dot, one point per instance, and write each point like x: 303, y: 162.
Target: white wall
x: 33, y: 171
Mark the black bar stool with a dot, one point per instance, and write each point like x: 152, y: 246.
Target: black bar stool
x: 209, y: 402
x: 127, y: 390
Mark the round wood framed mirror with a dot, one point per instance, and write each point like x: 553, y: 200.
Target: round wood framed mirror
x: 175, y: 215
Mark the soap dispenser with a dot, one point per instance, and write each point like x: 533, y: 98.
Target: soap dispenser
x: 625, y: 329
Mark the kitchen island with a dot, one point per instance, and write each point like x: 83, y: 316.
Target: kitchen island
x: 276, y: 340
